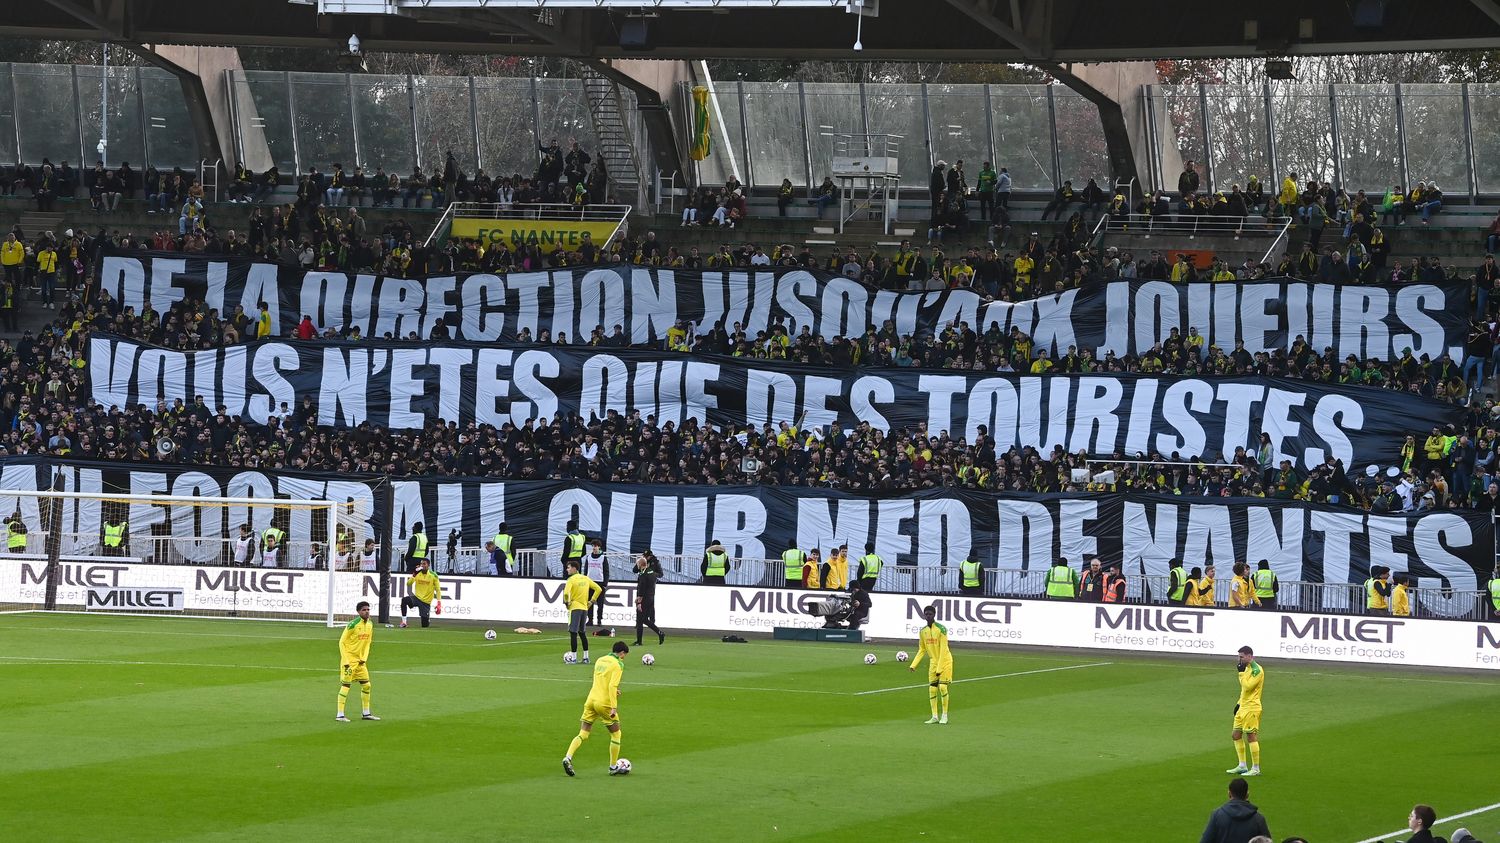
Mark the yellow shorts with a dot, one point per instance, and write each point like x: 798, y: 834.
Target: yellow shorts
x: 598, y: 711
x: 354, y: 672
x: 1247, y: 719
x: 940, y: 673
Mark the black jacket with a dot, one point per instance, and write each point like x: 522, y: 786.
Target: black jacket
x: 1236, y: 821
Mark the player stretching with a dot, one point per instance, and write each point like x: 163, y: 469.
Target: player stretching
x: 933, y: 642
x: 1247, y: 714
x: 579, y: 594
x: 426, y: 594
x: 602, y: 704
x: 354, y: 651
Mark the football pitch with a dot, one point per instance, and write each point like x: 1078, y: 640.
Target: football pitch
x: 122, y: 728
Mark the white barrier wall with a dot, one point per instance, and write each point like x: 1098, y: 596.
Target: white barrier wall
x: 1126, y: 628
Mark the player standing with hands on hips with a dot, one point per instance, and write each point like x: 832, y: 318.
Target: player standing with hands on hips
x: 354, y: 652
x: 1247, y: 714
x: 932, y: 642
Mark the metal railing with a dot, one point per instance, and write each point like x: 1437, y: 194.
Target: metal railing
x: 1195, y: 224
x: 680, y: 569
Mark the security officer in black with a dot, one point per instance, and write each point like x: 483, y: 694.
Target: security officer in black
x: 416, y: 547
x: 1266, y: 584
x: 869, y: 568
x: 1177, y: 585
x: 715, y: 567
x: 647, y: 572
x: 970, y: 578
x: 573, y: 547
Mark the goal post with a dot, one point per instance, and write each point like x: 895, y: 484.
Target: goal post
x: 161, y: 554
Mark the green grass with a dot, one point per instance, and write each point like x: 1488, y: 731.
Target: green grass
x: 116, y: 728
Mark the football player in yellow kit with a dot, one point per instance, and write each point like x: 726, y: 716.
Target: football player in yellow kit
x: 602, y: 704
x: 1247, y: 714
x: 354, y: 652
x: 933, y: 644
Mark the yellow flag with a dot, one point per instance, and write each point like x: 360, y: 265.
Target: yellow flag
x: 700, y: 147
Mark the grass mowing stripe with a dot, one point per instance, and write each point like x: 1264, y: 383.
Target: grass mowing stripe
x: 1444, y: 821
x: 28, y: 661
x: 984, y: 678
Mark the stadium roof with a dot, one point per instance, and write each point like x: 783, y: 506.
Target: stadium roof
x: 977, y: 30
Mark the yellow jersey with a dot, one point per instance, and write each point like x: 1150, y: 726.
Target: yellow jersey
x: 607, y: 673
x: 1241, y: 594
x: 426, y: 587
x: 1194, y: 597
x: 1401, y: 601
x: 1252, y: 681
x: 354, y: 641
x: 932, y: 642
x: 838, y: 572
x: 580, y: 592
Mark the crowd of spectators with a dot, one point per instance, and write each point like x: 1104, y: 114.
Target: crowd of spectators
x: 44, y: 405
x: 45, y: 409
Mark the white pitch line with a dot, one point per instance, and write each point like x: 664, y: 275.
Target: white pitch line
x: 31, y: 661
x: 983, y: 678
x: 1444, y: 821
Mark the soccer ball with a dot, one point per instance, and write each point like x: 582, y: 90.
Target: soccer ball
x: 570, y: 657
x: 901, y: 656
x: 869, y: 658
x: 489, y: 635
x: 622, y: 767
x: 648, y: 660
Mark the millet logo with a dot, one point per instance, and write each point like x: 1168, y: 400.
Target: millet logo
x: 771, y: 602
x: 543, y: 594
x: 99, y: 576
x: 1141, y: 619
x: 264, y: 582
x: 951, y: 609
x: 1340, y: 629
x: 169, y: 599
x: 1485, y: 639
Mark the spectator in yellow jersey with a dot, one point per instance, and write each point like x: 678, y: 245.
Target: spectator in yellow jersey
x: 263, y: 321
x: 354, y: 653
x: 426, y: 594
x: 1401, y: 596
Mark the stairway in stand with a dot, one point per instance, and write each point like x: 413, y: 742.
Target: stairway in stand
x: 33, y: 223
x: 616, y: 142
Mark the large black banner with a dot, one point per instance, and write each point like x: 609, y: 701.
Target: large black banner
x: 936, y: 528
x: 402, y: 386
x: 1124, y: 317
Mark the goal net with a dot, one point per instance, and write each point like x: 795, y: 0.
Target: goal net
x: 268, y: 558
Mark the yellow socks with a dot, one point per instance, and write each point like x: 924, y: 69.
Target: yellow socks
x: 1239, y: 750
x: 943, y: 693
x: 932, y: 698
x: 1255, y: 753
x: 576, y: 743
x: 364, y: 695
x: 343, y: 695
x: 614, y: 748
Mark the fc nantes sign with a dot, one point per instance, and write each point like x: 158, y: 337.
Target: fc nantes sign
x: 569, y: 234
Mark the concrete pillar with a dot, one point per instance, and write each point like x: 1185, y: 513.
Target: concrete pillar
x: 653, y: 81
x: 205, y: 86
x: 1119, y: 90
